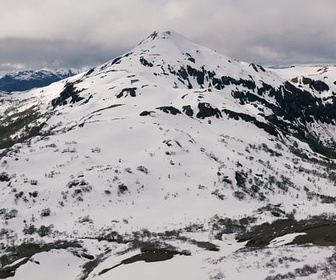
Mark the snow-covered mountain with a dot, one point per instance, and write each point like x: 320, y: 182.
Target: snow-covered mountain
x: 171, y: 161
x: 320, y: 80
x: 29, y: 79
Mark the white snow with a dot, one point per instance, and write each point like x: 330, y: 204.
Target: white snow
x: 285, y: 239
x: 56, y: 265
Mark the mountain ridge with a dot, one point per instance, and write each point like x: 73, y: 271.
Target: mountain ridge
x: 277, y: 95
x: 28, y: 79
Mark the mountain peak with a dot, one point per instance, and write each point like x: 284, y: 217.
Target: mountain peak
x: 163, y: 34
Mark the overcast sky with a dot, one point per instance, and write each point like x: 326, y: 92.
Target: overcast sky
x: 74, y: 33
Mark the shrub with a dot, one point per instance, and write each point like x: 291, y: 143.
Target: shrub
x: 239, y: 195
x: 218, y: 194
x: 122, y: 189
x: 11, y: 214
x: 33, y: 194
x: 44, y: 230
x: 4, y: 177
x: 30, y: 230
x: 142, y: 169
x: 33, y: 182
x: 45, y: 212
x: 240, y: 179
x: 85, y: 219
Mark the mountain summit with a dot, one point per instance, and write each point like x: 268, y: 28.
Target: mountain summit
x: 165, y: 35
x: 171, y: 152
x: 167, y: 59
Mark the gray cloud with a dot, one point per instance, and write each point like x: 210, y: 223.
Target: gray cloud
x: 34, y: 53
x: 63, y: 33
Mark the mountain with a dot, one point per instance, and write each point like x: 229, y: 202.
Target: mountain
x: 28, y: 79
x: 320, y: 80
x: 170, y: 161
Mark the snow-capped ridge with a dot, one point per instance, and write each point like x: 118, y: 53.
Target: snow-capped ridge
x: 167, y: 57
x: 164, y: 34
x: 168, y: 60
x: 23, y: 80
x: 319, y: 80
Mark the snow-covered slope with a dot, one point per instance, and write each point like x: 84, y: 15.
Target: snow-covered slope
x: 321, y: 80
x: 171, y: 152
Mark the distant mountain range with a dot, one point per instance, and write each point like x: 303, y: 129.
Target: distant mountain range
x: 28, y: 79
x: 171, y: 161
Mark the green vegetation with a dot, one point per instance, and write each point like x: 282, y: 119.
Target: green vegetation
x: 226, y: 225
x: 320, y: 230
x: 317, y: 146
x: 22, y: 124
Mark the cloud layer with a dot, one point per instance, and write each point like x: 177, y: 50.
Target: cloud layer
x: 76, y: 33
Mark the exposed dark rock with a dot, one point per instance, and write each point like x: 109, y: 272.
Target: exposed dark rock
x: 184, y: 77
x: 187, y: 110
x: 87, y: 100
x: 68, y: 95
x: 316, y: 85
x: 306, y: 81
x: 292, y: 101
x: 261, y: 68
x: 254, y: 67
x: 126, y: 91
x: 198, y: 74
x: 320, y: 86
x: 106, y: 108
x: 145, y: 62
x: 152, y: 36
x: 225, y: 81
x: 190, y: 58
x: 117, y: 60
x: 89, y: 72
x: 264, y: 89
x: 206, y: 110
x: 169, y: 110
x: 249, y: 97
x: 265, y: 126
x: 183, y: 74
x: 295, y: 80
x: 146, y: 113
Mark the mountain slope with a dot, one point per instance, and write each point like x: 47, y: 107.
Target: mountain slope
x: 320, y: 80
x: 171, y: 152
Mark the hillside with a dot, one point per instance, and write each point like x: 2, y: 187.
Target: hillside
x: 169, y: 161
